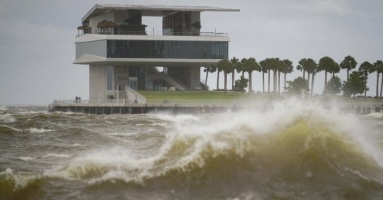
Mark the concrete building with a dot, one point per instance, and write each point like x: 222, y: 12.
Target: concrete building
x: 124, y: 57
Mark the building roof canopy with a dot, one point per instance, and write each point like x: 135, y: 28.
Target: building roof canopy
x: 151, y: 10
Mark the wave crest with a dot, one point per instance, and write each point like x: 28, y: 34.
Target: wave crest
x: 302, y: 145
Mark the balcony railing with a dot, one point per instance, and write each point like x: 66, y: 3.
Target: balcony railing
x: 152, y: 33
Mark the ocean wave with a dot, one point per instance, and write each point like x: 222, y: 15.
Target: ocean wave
x: 7, y: 118
x: 182, y: 118
x: 39, y: 130
x: 375, y: 115
x: 26, y: 158
x: 56, y: 155
x: 9, y: 129
x: 11, y: 182
x: 290, y: 143
x: 3, y: 108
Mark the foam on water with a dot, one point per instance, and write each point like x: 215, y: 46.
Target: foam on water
x: 3, y: 108
x: 375, y: 115
x: 26, y: 158
x: 196, y: 140
x: 56, y: 155
x: 7, y: 118
x: 39, y: 130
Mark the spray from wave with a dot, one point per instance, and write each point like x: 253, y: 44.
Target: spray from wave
x: 295, y: 150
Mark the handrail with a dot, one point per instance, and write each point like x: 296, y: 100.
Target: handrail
x: 152, y: 33
x: 140, y: 98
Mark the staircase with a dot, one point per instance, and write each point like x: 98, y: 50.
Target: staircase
x: 204, y: 86
x: 134, y: 96
x: 165, y: 77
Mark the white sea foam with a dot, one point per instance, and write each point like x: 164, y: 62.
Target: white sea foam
x: 77, y: 145
x: 26, y: 158
x: 183, y: 118
x: 57, y: 155
x: 195, y: 135
x: 7, y: 118
x: 375, y: 115
x: 39, y: 130
x: 20, y: 180
x: 9, y: 127
x: 3, y: 108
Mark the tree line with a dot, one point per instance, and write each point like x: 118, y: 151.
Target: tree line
x: 356, y: 82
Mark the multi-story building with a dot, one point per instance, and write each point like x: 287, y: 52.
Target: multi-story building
x: 123, y: 56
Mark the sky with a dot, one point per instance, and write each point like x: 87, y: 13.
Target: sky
x: 37, y: 47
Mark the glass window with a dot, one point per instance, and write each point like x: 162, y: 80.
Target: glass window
x: 167, y: 49
x: 109, y: 77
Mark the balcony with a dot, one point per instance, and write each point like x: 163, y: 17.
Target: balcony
x: 128, y: 31
x: 152, y: 33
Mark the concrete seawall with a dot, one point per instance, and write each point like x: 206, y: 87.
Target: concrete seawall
x: 178, y: 109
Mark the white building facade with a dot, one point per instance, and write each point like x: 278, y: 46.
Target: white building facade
x: 123, y: 57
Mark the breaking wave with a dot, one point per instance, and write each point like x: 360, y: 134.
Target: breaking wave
x: 292, y: 151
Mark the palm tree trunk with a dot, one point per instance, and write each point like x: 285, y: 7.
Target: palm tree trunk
x: 308, y: 79
x: 312, y: 84
x: 365, y: 85
x: 217, y: 79
x: 268, y: 80
x: 225, y: 82
x: 279, y: 82
x: 275, y: 81
x: 304, y: 74
x: 207, y: 74
x: 263, y: 82
x: 232, y: 79
x: 325, y: 81
x: 381, y: 87
x: 284, y: 85
x: 377, y: 85
x: 250, y: 81
x: 348, y: 73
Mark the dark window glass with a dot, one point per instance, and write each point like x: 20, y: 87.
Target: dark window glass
x: 167, y: 49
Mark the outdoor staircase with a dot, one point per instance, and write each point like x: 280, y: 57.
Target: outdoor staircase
x: 133, y: 95
x: 165, y: 77
x: 204, y: 86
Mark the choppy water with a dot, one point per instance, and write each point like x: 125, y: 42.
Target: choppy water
x: 296, y: 150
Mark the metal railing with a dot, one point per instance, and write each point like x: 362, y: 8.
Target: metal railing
x: 152, y: 33
x: 154, y: 103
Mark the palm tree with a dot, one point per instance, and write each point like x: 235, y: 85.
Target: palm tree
x: 275, y: 66
x: 286, y: 68
x: 311, y: 68
x: 378, y: 65
x: 217, y: 68
x: 335, y: 69
x: 328, y: 65
x: 366, y: 68
x: 249, y: 66
x: 348, y: 63
x: 227, y: 68
x: 243, y: 60
x: 379, y: 69
x: 264, y: 68
x: 279, y: 68
x: 301, y: 66
x: 236, y: 65
x: 208, y: 69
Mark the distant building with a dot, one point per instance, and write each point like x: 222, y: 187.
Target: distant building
x: 123, y: 56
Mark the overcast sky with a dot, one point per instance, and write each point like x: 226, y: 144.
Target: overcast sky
x: 37, y: 39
